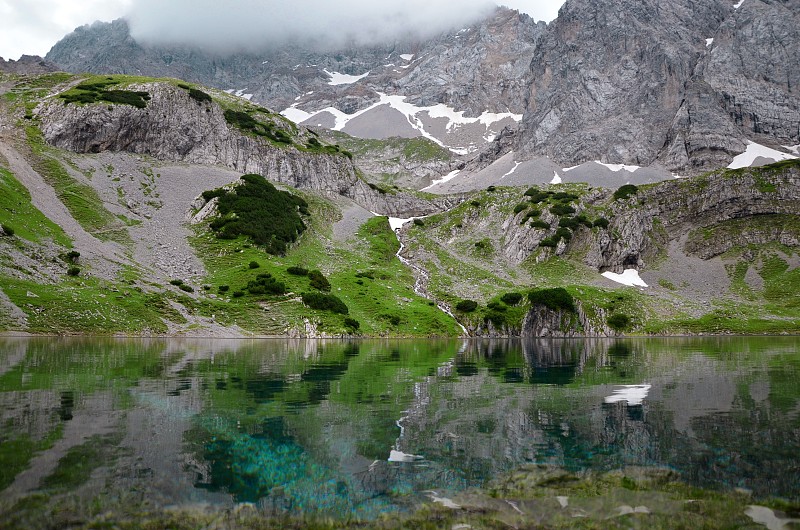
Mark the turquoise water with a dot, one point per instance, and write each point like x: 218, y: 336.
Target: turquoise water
x: 359, y: 428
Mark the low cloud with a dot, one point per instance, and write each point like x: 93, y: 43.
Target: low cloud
x: 233, y: 25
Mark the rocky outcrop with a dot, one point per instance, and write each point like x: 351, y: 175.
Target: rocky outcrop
x: 474, y: 69
x: 745, y: 86
x: 608, y: 77
x: 175, y: 127
x: 684, y: 84
x: 642, y: 225
x: 28, y: 65
x: 542, y: 321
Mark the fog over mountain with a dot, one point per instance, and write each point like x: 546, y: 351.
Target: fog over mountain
x: 246, y: 25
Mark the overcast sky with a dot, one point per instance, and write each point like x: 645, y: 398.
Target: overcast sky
x: 33, y: 26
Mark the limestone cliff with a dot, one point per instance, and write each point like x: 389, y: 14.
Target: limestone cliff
x: 174, y: 126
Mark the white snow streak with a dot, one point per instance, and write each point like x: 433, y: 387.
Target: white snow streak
x: 737, y: 6
x: 399, y: 456
x: 618, y: 167
x: 629, y: 277
x: 442, y: 180
x: 709, y: 42
x: 512, y: 170
x: 556, y: 178
x: 412, y: 112
x: 633, y: 394
x: 754, y: 151
x: 395, y: 223
x: 343, y: 79
x: 295, y: 114
x: 793, y: 148
x: 407, y: 56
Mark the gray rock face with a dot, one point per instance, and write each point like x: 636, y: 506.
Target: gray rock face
x: 174, y: 127
x: 28, y: 65
x: 745, y: 87
x: 638, y: 82
x: 544, y: 322
x: 670, y: 211
x: 608, y: 77
x: 474, y: 69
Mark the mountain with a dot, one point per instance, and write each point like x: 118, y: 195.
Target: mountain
x: 685, y: 84
x: 155, y: 206
x: 457, y: 88
x: 612, y: 91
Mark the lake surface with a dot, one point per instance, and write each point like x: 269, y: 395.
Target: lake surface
x: 358, y: 428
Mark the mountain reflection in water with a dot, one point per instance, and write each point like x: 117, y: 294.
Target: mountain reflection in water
x: 358, y: 428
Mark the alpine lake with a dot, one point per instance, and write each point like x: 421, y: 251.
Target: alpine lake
x: 587, y: 433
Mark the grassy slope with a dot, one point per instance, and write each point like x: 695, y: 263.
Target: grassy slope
x: 469, y: 265
x: 384, y: 304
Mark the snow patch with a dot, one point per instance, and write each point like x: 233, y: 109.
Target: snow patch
x: 407, y: 56
x: 709, y: 42
x: 738, y: 5
x: 793, y: 148
x: 556, y: 178
x: 399, y: 456
x: 629, y: 277
x: 395, y: 223
x: 633, y: 394
x: 343, y: 79
x: 765, y: 516
x: 512, y: 170
x: 447, y: 503
x: 565, y: 169
x: 295, y: 114
x: 618, y: 167
x: 442, y: 180
x: 239, y: 93
x: 754, y: 151
x: 563, y: 501
x: 412, y: 112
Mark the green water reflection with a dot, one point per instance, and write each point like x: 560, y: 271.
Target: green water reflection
x: 363, y: 427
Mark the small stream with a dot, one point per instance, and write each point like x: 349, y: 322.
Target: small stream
x: 420, y: 275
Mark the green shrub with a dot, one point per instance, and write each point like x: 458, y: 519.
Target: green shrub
x: 366, y: 274
x: 530, y: 215
x: 73, y: 271
x: 475, y: 203
x: 265, y: 284
x: 199, y: 95
x: 563, y: 233
x: 511, y: 298
x: 255, y: 208
x: 549, y: 242
x: 238, y: 294
x: 224, y: 288
x: 601, y: 222
x: 625, y: 191
x: 619, y: 321
x: 467, y: 306
x: 568, y: 222
x: 319, y: 281
x: 419, y: 222
x: 562, y: 209
x: 187, y: 288
x: 248, y: 123
x: 536, y: 195
x: 352, y: 323
x: 96, y: 92
x: 176, y: 282
x: 564, y: 196
x: 325, y: 302
x: 496, y: 317
x: 520, y: 207
x: 297, y: 271
x: 556, y: 298
x: 491, y: 188
x: 254, y: 265
x: 72, y: 256
x: 7, y: 230
x: 538, y: 223
x: 498, y: 306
